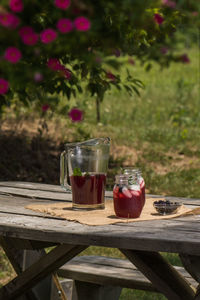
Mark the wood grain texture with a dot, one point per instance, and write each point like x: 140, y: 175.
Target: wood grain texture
x: 38, y: 187
x: 36, y: 193
x: 170, y: 236
x: 163, y: 276
x: 180, y: 235
x: 16, y: 258
x: 39, y: 270
x: 88, y: 291
x: 192, y: 265
x: 197, y: 296
x: 19, y: 244
x: 58, y: 189
x: 111, y: 271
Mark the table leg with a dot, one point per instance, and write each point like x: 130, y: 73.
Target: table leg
x: 197, y: 297
x: 21, y: 259
x: 15, y: 257
x: 39, y: 270
x: 92, y: 291
x: 164, y: 277
x: 192, y: 265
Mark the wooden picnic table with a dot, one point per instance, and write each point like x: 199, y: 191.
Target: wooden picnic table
x: 140, y: 242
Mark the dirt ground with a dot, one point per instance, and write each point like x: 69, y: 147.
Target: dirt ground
x: 28, y: 155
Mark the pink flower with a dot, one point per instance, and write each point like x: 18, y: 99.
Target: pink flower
x: 158, y: 19
x: 45, y: 107
x: 54, y: 64
x: 164, y: 50
x: 25, y: 30
x: 169, y: 3
x: 4, y: 86
x: 38, y: 76
x: 30, y: 39
x: 82, y: 24
x: 62, y: 4
x: 12, y: 55
x: 9, y: 20
x: 184, y: 59
x: 48, y: 35
x: 16, y: 5
x: 65, y: 25
x: 28, y: 36
x: 65, y: 72
x: 76, y: 115
x: 110, y: 76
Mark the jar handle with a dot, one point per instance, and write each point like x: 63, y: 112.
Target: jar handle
x: 64, y: 173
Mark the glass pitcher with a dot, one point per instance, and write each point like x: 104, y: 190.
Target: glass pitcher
x: 83, y: 169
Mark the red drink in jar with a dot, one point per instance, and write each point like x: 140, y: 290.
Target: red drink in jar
x: 136, y: 172
x: 128, y: 202
x: 142, y: 186
x: 88, y: 190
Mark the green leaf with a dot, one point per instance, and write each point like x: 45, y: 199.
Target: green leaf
x: 77, y: 172
x: 135, y: 90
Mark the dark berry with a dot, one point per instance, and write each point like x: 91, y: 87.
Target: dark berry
x: 120, y: 189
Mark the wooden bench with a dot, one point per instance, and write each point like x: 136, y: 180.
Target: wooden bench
x: 102, y: 278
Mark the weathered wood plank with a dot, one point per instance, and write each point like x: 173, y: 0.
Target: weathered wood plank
x: 197, y: 296
x: 90, y: 291
x: 16, y: 205
x: 19, y: 188
x: 20, y: 260
x: 62, y: 231
x: 16, y: 259
x: 36, y: 194
x: 58, y: 189
x: 192, y: 265
x: 33, y: 186
x: 39, y: 270
x: 111, y: 271
x: 43, y: 289
x: 21, y: 244
x: 161, y: 274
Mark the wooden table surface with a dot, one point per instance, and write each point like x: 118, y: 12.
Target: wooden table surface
x: 141, y: 242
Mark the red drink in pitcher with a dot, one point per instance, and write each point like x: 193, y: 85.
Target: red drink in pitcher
x: 88, y: 190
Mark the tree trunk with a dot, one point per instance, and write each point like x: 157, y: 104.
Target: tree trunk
x: 98, y: 117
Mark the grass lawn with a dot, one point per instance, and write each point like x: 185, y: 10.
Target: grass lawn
x: 158, y: 132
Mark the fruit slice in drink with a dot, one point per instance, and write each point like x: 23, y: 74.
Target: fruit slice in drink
x: 142, y: 186
x: 127, y: 203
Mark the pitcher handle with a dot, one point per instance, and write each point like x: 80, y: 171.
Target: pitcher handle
x: 64, y: 176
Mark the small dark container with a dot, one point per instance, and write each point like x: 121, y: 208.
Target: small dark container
x: 166, y: 207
